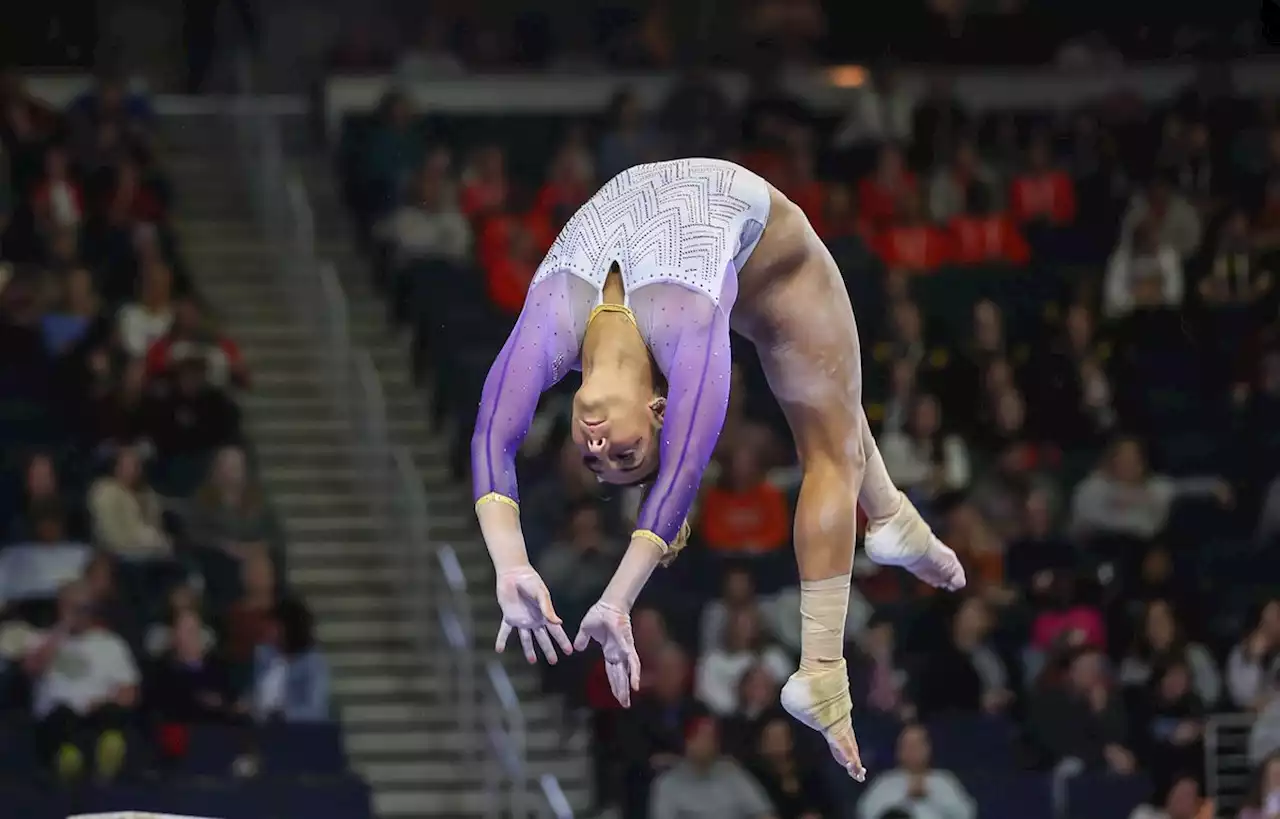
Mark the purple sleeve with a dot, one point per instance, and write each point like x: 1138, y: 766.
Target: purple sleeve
x: 696, y: 360
x: 538, y: 353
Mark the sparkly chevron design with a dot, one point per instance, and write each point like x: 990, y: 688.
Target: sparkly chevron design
x: 681, y: 221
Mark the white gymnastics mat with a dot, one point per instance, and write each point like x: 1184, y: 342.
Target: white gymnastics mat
x: 132, y: 814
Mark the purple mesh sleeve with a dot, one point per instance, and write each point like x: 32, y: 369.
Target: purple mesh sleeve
x: 696, y: 359
x: 538, y: 353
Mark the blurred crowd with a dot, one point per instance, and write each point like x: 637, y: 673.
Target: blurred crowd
x: 1072, y: 362
x: 140, y: 564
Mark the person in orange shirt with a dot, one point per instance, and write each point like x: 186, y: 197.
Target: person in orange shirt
x: 509, y: 274
x: 569, y: 184
x: 981, y: 234
x: 913, y: 244
x: 880, y: 194
x: 1042, y: 192
x: 484, y: 184
x: 745, y: 513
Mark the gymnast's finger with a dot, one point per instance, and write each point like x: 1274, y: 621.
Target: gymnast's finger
x: 562, y: 639
x: 633, y: 666
x: 526, y: 641
x: 618, y: 683
x: 504, y: 632
x: 548, y: 650
x: 583, y: 640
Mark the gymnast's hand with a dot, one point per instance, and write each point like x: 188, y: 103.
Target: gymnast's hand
x: 526, y: 608
x: 610, y: 626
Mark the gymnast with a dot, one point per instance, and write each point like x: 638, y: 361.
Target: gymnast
x: 639, y: 292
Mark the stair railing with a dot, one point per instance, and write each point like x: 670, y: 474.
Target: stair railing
x: 429, y: 583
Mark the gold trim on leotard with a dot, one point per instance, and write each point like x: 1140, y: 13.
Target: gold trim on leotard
x: 496, y: 497
x: 652, y: 537
x: 609, y: 307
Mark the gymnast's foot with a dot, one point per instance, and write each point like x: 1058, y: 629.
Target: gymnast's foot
x: 821, y: 701
x: 906, y: 540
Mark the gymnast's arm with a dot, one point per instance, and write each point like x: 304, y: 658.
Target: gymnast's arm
x: 535, y: 357
x: 699, y: 368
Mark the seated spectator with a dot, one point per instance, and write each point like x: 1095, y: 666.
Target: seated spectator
x: 911, y: 243
x: 886, y: 680
x: 1253, y: 663
x: 186, y: 415
x: 1066, y: 622
x: 840, y: 217
x: 126, y: 511
x: 291, y: 676
x: 85, y: 684
x: 738, y: 591
x: 113, y: 609
x: 914, y: 786
x: 629, y: 139
x: 903, y: 392
x: 1122, y: 498
x: 952, y: 187
x: 192, y: 336
x: 1183, y: 801
x: 1161, y: 644
x: 75, y: 317
x: 983, y: 235
x: 228, y: 512
x: 794, y: 788
x: 393, y: 150
x: 183, y: 599
x: 570, y: 183
x: 1170, y: 219
x: 745, y: 514
x: 250, y: 617
x: 1042, y: 193
x: 651, y: 733
x: 187, y: 684
x: 484, y: 183
x: 112, y: 416
x: 966, y: 674
x: 41, y: 495
x: 705, y: 782
x: 981, y: 551
x: 143, y: 322
x: 131, y: 199
x: 881, y: 192
x: 508, y: 275
x: 1069, y: 383
x: 35, y: 570
x: 1037, y: 555
x: 58, y: 200
x: 1081, y: 718
x: 720, y: 670
x: 1174, y: 719
x: 923, y: 459
x: 1263, y: 801
x: 1234, y: 275
x: 578, y: 566
x: 906, y: 340
x: 758, y: 704
x: 1141, y: 274
x: 430, y: 225
x: 879, y: 112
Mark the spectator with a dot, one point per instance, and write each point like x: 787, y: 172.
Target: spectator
x: 183, y: 600
x: 250, y: 617
x: 510, y: 274
x: 430, y: 226
x: 145, y: 321
x: 758, y: 704
x: 1234, y: 275
x: 1171, y: 220
x: 980, y: 550
x: 923, y: 459
x: 188, y: 685
x: 791, y: 786
x: 229, y: 512
x: 58, y: 201
x: 126, y: 511
x: 1183, y: 801
x: 886, y: 681
x: 966, y: 674
x: 113, y: 416
x: 1038, y: 556
x: 192, y: 336
x: 1263, y: 801
x: 484, y: 183
x: 1255, y: 660
x: 41, y: 494
x: 1142, y: 274
x: 914, y: 786
x: 1160, y: 645
x: 393, y: 150
x: 881, y: 194
x: 85, y: 685
x: 652, y: 730
x: 1174, y: 722
x: 291, y: 677
x: 911, y: 243
x: 75, y: 317
x: 578, y: 566
x: 628, y: 139
x: 745, y: 514
x: 1066, y: 621
x: 186, y: 415
x: 706, y: 783
x: 981, y: 234
x: 1080, y: 718
x: 1122, y: 498
x: 738, y: 591
x: 720, y: 670
x: 34, y: 571
x: 570, y: 182
x: 1042, y: 193
x: 131, y: 200
x: 952, y: 188
x: 880, y: 111
x: 113, y: 609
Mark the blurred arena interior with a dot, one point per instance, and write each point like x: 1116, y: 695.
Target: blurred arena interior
x: 258, y: 258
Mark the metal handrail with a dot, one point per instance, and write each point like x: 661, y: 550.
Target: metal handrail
x: 430, y: 586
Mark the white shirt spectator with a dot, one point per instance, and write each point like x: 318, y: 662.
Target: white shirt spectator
x: 37, y: 570
x: 720, y: 671
x: 1129, y: 269
x: 1179, y: 227
x: 910, y: 463
x: 140, y: 328
x: 418, y: 233
x: 944, y: 797
x: 876, y: 115
x: 89, y: 668
x: 126, y: 522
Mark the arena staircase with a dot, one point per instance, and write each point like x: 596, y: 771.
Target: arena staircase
x: 398, y: 735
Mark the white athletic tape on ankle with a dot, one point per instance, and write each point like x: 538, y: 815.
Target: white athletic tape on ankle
x: 824, y: 605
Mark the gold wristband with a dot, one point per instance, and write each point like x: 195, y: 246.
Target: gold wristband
x: 495, y: 497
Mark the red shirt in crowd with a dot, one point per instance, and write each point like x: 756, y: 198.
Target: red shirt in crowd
x: 878, y: 199
x: 991, y: 238
x: 917, y: 248
x: 221, y: 355
x: 482, y: 197
x: 507, y: 279
x: 1048, y: 196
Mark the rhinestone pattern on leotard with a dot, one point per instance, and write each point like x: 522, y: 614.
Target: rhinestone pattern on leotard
x: 675, y: 221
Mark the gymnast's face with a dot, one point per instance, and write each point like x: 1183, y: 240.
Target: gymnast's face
x: 617, y: 435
